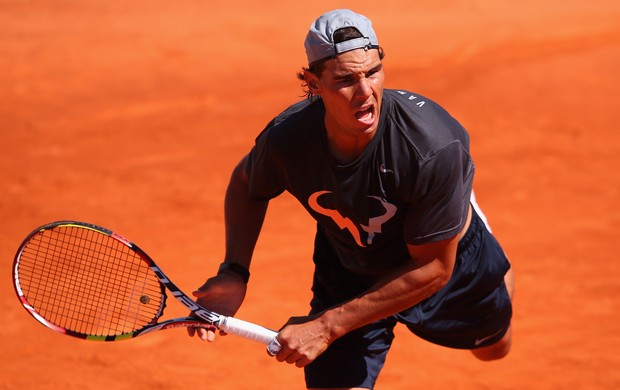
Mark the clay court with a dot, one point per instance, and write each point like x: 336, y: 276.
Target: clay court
x: 131, y: 115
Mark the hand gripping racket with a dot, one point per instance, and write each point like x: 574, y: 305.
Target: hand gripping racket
x: 86, y: 281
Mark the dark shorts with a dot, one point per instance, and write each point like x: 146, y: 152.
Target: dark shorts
x: 473, y: 310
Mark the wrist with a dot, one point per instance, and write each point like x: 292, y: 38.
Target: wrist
x: 235, y: 269
x: 332, y: 319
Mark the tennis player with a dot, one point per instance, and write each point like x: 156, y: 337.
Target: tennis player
x: 387, y: 175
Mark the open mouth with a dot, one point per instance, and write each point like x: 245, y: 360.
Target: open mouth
x: 367, y: 115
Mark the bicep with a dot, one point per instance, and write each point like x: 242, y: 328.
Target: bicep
x: 435, y: 259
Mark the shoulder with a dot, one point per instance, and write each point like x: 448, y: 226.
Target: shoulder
x: 424, y: 124
x: 305, y: 111
x: 418, y: 107
x: 293, y: 130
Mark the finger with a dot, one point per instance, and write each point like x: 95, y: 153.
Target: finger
x: 191, y: 332
x: 284, y: 354
x: 206, y: 334
x: 202, y: 333
x: 303, y: 362
x: 293, y: 358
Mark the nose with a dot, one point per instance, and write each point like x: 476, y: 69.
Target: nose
x: 363, y: 90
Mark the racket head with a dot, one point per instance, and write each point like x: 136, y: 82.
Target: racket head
x: 88, y: 282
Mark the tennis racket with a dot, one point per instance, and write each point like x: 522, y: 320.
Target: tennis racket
x: 86, y: 281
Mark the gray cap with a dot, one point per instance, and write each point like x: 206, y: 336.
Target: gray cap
x: 320, y: 39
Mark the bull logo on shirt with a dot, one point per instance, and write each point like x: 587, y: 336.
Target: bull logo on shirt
x: 374, y: 223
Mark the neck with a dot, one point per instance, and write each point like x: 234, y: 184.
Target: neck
x: 346, y: 149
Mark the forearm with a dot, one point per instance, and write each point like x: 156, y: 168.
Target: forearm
x: 244, y: 218
x: 403, y: 288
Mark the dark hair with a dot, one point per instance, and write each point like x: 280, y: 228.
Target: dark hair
x: 317, y: 67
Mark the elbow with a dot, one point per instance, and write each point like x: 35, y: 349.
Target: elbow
x: 444, y: 278
x: 438, y: 282
x: 441, y: 277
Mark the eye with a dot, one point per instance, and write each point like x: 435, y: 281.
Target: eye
x: 345, y: 80
x: 373, y: 71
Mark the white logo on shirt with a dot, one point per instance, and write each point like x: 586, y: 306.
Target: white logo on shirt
x: 482, y: 340
x: 383, y: 169
x: 412, y: 97
x: 373, y: 228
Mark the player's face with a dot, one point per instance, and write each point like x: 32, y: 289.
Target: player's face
x: 351, y: 87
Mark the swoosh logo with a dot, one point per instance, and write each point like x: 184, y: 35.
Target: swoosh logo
x: 482, y: 340
x: 383, y: 169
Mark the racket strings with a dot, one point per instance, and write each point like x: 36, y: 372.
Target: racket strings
x: 88, y: 282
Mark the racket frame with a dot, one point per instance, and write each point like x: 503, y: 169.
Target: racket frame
x: 202, y: 317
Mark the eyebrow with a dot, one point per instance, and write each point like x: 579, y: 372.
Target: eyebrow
x: 374, y: 69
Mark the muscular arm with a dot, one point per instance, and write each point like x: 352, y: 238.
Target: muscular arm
x: 244, y: 217
x: 428, y: 271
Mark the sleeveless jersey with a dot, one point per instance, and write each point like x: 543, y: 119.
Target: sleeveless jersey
x: 411, y: 184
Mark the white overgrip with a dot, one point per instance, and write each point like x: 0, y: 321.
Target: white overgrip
x: 247, y: 330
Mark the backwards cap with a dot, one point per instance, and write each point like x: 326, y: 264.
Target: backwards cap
x: 320, y: 44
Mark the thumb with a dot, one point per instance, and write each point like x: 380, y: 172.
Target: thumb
x: 201, y: 291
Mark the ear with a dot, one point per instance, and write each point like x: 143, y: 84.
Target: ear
x: 312, y: 81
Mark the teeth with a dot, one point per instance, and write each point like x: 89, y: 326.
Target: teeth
x: 364, y: 114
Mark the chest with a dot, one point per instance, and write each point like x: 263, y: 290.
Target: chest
x: 360, y: 202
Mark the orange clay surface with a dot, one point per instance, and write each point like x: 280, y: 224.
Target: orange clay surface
x: 132, y: 114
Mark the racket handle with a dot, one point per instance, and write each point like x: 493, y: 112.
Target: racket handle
x: 251, y: 331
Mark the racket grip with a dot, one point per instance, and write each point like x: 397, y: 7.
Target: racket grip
x: 251, y: 331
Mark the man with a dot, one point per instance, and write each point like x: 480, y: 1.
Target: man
x: 387, y: 175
